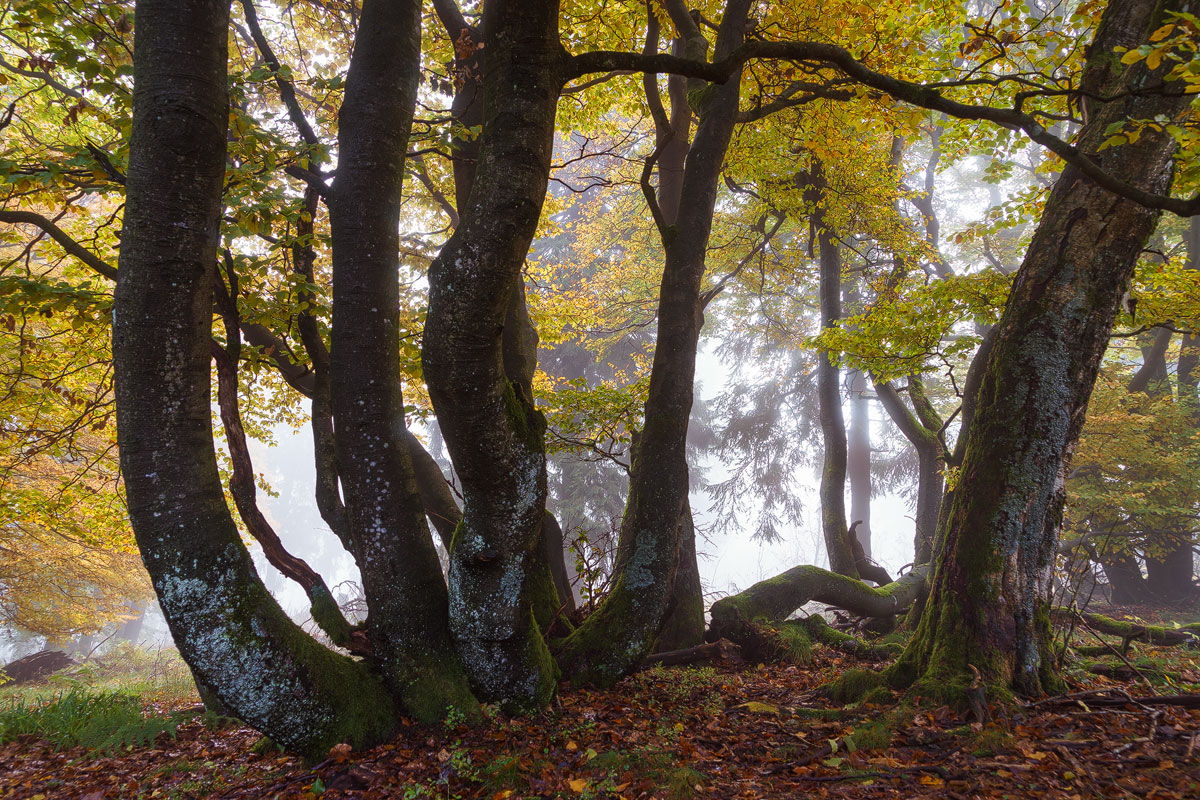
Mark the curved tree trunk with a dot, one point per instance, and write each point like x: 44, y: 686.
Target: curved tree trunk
x: 234, y: 636
x: 775, y: 599
x: 492, y: 429
x: 988, y: 606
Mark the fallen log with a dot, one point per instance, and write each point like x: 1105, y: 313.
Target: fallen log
x: 1156, y: 635
x: 37, y: 666
x: 722, y: 652
x: 755, y: 619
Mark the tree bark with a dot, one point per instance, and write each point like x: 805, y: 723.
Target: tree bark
x: 622, y: 631
x: 492, y: 429
x: 829, y: 392
x: 402, y: 579
x: 232, y: 633
x: 930, y: 449
x: 858, y: 458
x: 988, y: 607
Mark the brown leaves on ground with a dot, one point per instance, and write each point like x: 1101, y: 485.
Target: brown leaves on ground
x: 675, y: 733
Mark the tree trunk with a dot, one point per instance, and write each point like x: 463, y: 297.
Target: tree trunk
x: 988, y: 607
x: 684, y: 626
x: 229, y: 629
x: 622, y: 631
x: 858, y: 458
x: 492, y: 429
x: 402, y: 579
x: 829, y: 392
x: 929, y: 449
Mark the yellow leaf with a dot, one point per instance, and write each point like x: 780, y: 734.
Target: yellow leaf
x: 504, y: 795
x: 1132, y: 57
x: 1154, y: 59
x: 932, y: 780
x: 572, y: 747
x: 579, y: 784
x: 1162, y: 32
x: 759, y: 708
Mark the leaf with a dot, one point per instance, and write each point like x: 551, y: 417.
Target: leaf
x: 1162, y: 32
x: 932, y: 780
x: 759, y: 708
x: 579, y: 784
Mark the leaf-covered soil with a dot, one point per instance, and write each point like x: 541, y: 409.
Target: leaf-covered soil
x: 676, y: 733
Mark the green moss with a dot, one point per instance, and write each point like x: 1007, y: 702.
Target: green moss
x: 328, y: 616
x: 436, y: 684
x: 854, y: 685
x: 879, y: 696
x: 877, y: 733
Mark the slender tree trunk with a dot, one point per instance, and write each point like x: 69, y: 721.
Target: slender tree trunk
x: 402, y: 579
x: 988, y: 607
x: 858, y: 458
x: 619, y: 634
x: 829, y: 392
x: 234, y: 636
x: 929, y: 470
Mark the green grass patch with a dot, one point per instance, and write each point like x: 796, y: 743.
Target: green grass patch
x: 98, y: 721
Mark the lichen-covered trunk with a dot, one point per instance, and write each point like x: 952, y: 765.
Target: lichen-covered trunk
x: 622, y: 631
x: 988, y: 606
x: 492, y: 429
x: 402, y: 580
x: 234, y: 636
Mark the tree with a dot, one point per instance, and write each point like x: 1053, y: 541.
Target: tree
x: 198, y: 210
x: 988, y: 605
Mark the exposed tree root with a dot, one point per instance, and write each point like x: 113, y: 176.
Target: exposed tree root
x: 755, y: 618
x: 722, y: 651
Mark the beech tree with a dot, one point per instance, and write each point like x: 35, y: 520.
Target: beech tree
x: 482, y: 634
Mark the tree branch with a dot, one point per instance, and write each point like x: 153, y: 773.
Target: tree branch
x: 60, y: 236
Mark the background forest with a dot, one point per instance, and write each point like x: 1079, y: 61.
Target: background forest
x: 522, y: 342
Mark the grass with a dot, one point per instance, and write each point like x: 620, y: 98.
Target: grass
x: 98, y: 721
x: 128, y: 697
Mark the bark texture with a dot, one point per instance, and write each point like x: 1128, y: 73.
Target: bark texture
x: 232, y: 633
x: 494, y: 433
x: 614, y: 640
x: 402, y: 579
x: 988, y: 606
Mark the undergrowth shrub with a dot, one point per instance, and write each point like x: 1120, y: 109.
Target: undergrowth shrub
x: 104, y: 721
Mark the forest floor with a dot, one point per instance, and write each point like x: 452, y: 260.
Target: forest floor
x: 766, y: 731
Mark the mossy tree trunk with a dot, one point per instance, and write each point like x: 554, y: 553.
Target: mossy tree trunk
x: 492, y: 429
x: 622, y: 631
x: 234, y: 636
x: 988, y: 606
